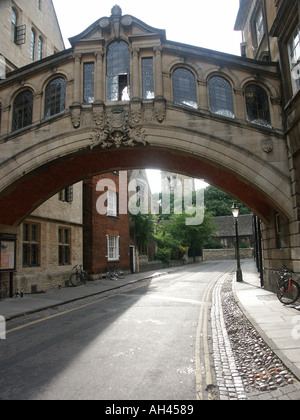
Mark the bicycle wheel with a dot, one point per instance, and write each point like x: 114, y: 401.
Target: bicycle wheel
x: 111, y: 275
x: 288, y: 293
x: 75, y: 279
x: 120, y: 274
x: 85, y: 277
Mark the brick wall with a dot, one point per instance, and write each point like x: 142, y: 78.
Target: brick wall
x: 97, y: 227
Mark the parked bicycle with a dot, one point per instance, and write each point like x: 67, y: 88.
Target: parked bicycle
x: 288, y: 290
x: 115, y: 273
x: 79, y: 277
x: 3, y: 292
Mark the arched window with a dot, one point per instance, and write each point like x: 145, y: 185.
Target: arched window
x: 117, y: 72
x: 220, y: 97
x: 55, y: 97
x: 22, y: 110
x: 184, y: 88
x: 257, y: 102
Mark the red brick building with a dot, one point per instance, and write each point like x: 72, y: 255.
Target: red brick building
x: 106, y: 237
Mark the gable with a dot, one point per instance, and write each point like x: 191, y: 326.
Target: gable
x: 117, y: 26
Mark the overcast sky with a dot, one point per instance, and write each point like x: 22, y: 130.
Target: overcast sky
x: 203, y: 23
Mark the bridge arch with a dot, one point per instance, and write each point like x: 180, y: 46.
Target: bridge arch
x: 59, y: 161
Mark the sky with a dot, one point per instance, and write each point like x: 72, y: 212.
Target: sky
x: 203, y: 23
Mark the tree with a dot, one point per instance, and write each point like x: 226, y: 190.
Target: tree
x: 143, y: 228
x: 176, y: 236
x: 219, y: 203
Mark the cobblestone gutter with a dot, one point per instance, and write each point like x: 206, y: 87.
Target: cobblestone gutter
x: 246, y: 368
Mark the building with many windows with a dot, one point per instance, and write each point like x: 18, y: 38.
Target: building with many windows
x: 49, y: 239
x: 271, y: 33
x: 29, y: 32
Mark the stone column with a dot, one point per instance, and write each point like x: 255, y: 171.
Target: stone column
x: 158, y: 72
x: 135, y: 74
x: 37, y: 107
x: 99, y: 96
x: 77, y: 79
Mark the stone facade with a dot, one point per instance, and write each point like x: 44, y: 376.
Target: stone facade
x: 271, y: 33
x: 16, y: 42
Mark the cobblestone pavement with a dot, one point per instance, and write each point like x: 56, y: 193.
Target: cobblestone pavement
x: 246, y: 368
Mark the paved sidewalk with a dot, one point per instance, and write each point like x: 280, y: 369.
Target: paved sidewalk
x: 277, y: 324
x: 16, y: 307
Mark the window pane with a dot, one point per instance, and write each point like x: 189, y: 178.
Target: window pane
x: 113, y: 248
x: 220, y: 97
x: 184, y: 88
x: 55, y: 97
x: 117, y: 67
x: 257, y: 102
x: 294, y: 54
x: 88, y: 83
x: 148, y: 81
x: 22, y: 115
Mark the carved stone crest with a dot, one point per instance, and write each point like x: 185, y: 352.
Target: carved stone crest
x: 160, y: 110
x: 75, y: 116
x: 267, y: 145
x: 118, y: 132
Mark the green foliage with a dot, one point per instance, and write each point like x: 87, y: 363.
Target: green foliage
x: 219, y: 203
x: 174, y: 235
x: 143, y: 228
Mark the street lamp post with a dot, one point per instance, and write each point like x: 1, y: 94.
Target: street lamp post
x: 236, y: 211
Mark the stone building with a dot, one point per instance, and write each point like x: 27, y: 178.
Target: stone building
x: 271, y: 33
x: 29, y: 32
x: 50, y: 239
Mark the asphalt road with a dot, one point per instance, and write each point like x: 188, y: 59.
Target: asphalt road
x: 141, y: 343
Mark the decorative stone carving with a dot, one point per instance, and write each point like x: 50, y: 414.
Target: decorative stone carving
x: 99, y: 116
x: 75, y: 115
x: 136, y: 112
x: 267, y: 145
x: 117, y: 131
x: 160, y: 110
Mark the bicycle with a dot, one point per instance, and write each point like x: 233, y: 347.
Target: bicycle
x: 115, y: 273
x: 3, y: 292
x: 288, y: 290
x: 79, y: 277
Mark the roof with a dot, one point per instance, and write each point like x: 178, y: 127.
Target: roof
x: 226, y: 227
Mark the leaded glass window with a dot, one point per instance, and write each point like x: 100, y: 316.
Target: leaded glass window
x: 32, y: 44
x: 294, y: 55
x: 184, y: 88
x: 40, y: 48
x: 257, y: 101
x: 220, y: 97
x: 148, y: 80
x: 117, y: 72
x: 88, y: 83
x: 55, y: 97
x: 22, y: 111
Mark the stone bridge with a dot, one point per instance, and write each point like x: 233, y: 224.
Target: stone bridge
x: 123, y: 96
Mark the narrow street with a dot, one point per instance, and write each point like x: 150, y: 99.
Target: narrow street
x: 150, y: 341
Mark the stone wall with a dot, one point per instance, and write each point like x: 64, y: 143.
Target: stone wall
x: 226, y: 254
